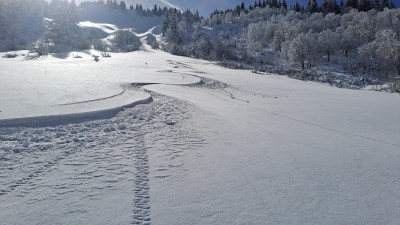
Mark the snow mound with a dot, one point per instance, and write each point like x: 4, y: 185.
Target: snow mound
x: 75, y: 112
x: 70, y: 88
x: 101, y: 30
x: 105, y: 27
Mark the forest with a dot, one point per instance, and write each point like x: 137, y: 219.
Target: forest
x: 355, y: 38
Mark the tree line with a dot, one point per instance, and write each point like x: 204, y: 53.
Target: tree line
x: 327, y: 6
x: 352, y: 40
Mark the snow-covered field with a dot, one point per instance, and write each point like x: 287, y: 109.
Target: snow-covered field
x: 214, y: 146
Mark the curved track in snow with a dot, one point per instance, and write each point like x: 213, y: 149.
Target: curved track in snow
x: 237, y: 148
x: 100, y: 108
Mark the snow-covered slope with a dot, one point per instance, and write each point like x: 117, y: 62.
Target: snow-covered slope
x: 148, y: 4
x: 122, y: 19
x: 62, y: 84
x: 238, y: 148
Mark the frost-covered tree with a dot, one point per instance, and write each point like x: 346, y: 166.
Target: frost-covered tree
x: 256, y: 37
x: 279, y: 38
x: 303, y: 49
x: 388, y: 48
x: 172, y: 34
x: 125, y: 41
x: 229, y: 17
x: 221, y: 47
x: 63, y: 29
x: 328, y: 41
x: 4, y: 12
x: 348, y: 40
x: 269, y: 35
x: 20, y: 21
x: 165, y: 24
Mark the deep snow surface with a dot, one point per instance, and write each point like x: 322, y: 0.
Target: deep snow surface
x: 237, y: 148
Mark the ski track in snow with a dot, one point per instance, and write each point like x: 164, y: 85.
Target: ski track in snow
x: 78, y: 172
x: 90, y: 159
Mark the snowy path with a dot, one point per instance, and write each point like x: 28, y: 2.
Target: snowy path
x: 238, y: 148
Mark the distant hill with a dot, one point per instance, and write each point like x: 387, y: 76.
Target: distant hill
x: 122, y: 19
x: 23, y: 25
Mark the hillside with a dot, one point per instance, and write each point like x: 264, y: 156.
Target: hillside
x: 53, y: 27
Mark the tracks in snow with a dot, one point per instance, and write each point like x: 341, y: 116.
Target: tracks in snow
x: 94, y: 170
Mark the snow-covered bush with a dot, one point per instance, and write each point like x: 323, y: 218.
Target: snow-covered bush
x: 394, y: 86
x: 81, y: 42
x: 174, y: 49
x: 101, y: 45
x: 40, y: 47
x: 152, y: 41
x: 10, y: 55
x: 125, y: 41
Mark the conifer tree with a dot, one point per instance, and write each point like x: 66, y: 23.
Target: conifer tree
x: 297, y: 7
x: 274, y: 4
x: 308, y: 5
x: 392, y: 5
x: 313, y: 7
x: 284, y: 4
x: 385, y: 4
x: 377, y: 5
x: 122, y: 5
x: 352, y: 4
x: 365, y: 5
x: 165, y: 25
x: 155, y: 10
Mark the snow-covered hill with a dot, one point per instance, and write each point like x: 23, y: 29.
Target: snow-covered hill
x: 53, y: 26
x: 148, y: 4
x: 122, y: 19
x: 237, y: 148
